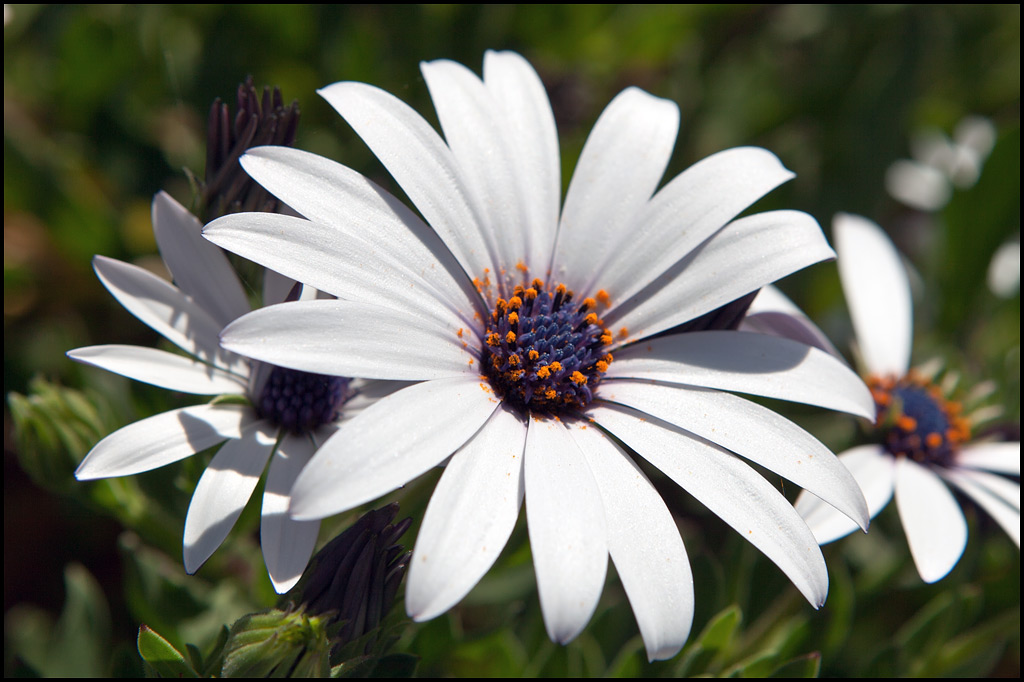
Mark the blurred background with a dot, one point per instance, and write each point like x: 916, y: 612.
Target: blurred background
x: 106, y: 105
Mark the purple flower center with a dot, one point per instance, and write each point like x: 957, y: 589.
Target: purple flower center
x: 543, y: 352
x: 301, y: 401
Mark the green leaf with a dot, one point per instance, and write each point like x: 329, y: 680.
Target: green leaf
x: 808, y: 665
x: 78, y: 644
x: 162, y: 659
x: 711, y: 642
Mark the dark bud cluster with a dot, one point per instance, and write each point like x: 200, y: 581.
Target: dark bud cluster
x: 259, y: 119
x: 356, y: 575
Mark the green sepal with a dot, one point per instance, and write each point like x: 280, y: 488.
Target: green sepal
x: 160, y: 656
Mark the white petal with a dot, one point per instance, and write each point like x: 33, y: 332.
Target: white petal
x: 693, y: 206
x: 162, y: 439
x: 343, y: 338
x: 771, y: 312
x: 469, y: 519
x: 165, y: 309
x: 161, y: 368
x: 422, y: 164
x: 473, y: 129
x: 223, y: 491
x: 998, y: 496
x: 529, y: 124
x: 566, y: 521
x: 758, y: 364
x: 742, y: 257
x: 935, y: 526
x: 1007, y: 490
x: 287, y: 544
x: 877, y: 292
x: 728, y: 487
x: 621, y: 164
x: 644, y: 544
x: 200, y: 269
x: 349, y: 207
x: 873, y: 469
x: 1001, y: 457
x: 344, y: 265
x: 391, y: 443
x: 751, y: 431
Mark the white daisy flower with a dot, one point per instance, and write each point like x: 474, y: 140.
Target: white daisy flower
x: 535, y: 337
x: 923, y: 435
x: 288, y: 412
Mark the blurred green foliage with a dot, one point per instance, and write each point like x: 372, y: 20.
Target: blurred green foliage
x: 105, y: 105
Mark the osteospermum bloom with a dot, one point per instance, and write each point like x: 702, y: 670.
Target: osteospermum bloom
x: 921, y: 436
x: 531, y: 334
x: 287, y: 415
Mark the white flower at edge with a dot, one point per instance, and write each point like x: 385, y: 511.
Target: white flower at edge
x: 436, y: 302
x: 878, y: 294
x: 191, y: 316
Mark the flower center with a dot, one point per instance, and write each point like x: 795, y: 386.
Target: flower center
x: 543, y: 352
x: 917, y: 420
x: 301, y: 401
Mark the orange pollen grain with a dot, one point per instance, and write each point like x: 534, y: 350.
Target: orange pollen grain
x: 530, y: 294
x: 603, y: 297
x: 513, y: 318
x: 515, y: 302
x: 517, y: 374
x: 623, y: 332
x: 493, y: 339
x: 578, y: 378
x: 510, y: 337
x: 591, y: 318
x: 606, y: 337
x: 513, y: 359
x: 602, y: 366
x: 521, y: 266
x: 550, y: 394
x: 533, y: 355
x: 589, y: 303
x: 544, y: 372
x: 933, y: 440
x: 555, y: 366
x: 906, y: 423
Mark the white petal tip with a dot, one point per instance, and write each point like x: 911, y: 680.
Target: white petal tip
x: 282, y: 586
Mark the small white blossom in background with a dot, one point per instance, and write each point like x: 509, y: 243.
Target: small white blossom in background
x: 939, y: 164
x: 1003, y: 276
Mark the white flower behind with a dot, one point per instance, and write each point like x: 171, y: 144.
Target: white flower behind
x: 526, y: 387
x: 191, y: 316
x: 923, y: 435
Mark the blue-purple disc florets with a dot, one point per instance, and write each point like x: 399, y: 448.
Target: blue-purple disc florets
x: 301, y: 401
x: 917, y: 420
x: 544, y: 352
